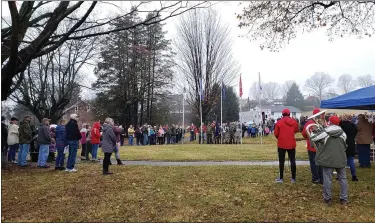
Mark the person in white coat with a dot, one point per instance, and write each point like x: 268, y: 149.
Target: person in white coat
x: 13, y: 140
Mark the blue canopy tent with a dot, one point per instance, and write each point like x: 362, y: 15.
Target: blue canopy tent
x: 361, y: 99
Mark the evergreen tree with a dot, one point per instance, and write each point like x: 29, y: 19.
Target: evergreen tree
x: 230, y: 107
x: 134, y: 72
x: 294, y: 97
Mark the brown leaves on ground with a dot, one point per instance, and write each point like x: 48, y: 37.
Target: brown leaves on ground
x: 141, y: 193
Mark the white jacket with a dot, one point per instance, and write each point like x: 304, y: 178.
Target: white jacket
x: 13, y: 137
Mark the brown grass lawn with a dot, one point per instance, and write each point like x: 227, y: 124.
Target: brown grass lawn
x: 166, y: 194
x: 249, y: 151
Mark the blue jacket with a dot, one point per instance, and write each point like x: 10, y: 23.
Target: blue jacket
x: 60, y: 136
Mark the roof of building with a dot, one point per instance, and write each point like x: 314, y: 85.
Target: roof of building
x: 279, y: 108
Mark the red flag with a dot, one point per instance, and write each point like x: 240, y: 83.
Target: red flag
x: 240, y: 86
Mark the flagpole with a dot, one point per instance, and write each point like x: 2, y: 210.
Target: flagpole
x: 221, y: 110
x: 260, y: 108
x: 200, y: 105
x: 240, y: 104
x: 183, y: 116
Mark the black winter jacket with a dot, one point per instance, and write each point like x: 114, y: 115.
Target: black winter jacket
x: 351, y: 131
x: 72, y: 131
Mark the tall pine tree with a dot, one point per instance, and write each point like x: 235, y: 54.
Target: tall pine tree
x: 294, y: 97
x: 134, y: 70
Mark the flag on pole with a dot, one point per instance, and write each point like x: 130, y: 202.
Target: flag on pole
x: 240, y: 86
x: 224, y: 90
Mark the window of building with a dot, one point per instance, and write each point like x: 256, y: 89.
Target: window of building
x: 272, y: 113
x: 293, y: 113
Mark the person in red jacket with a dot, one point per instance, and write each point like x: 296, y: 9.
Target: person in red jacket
x: 95, y: 140
x: 316, y: 171
x: 285, y: 130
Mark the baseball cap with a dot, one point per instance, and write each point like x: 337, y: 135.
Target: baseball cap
x: 14, y: 119
x: 285, y: 112
x: 334, y: 120
x: 316, y: 110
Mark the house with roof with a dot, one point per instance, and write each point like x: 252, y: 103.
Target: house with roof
x: 275, y: 111
x: 268, y: 112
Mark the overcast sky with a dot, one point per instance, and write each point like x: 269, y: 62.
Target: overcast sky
x: 306, y: 54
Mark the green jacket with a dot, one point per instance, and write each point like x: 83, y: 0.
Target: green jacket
x: 209, y: 130
x: 332, y: 154
x: 25, y: 132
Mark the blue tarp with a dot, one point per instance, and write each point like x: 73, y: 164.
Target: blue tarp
x: 362, y: 99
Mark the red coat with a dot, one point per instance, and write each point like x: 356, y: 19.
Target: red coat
x: 285, y: 130
x: 304, y: 134
x: 95, y: 133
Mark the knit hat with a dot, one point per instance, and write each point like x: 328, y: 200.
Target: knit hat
x: 334, y: 120
x: 285, y: 112
x: 316, y: 110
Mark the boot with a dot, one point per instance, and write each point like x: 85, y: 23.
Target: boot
x: 119, y: 162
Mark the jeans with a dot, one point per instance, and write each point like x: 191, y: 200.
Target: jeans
x: 131, y: 140
x: 145, y: 139
x: 106, y: 161
x: 43, y: 154
x: 173, y: 139
x: 191, y: 136
x: 94, y: 152
x: 327, y: 183
x: 73, y: 146
x: 316, y: 171
x: 292, y: 158
x: 168, y: 139
x: 364, y: 155
x: 12, y: 152
x: 60, y: 156
x: 22, y: 154
x: 350, y: 163
x: 117, y: 154
x: 138, y: 139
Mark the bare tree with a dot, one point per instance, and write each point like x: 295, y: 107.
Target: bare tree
x: 203, y: 52
x: 34, y: 32
x: 52, y: 80
x: 277, y: 22
x: 346, y: 83
x: 285, y: 88
x: 271, y: 90
x: 318, y: 84
x: 365, y: 81
x: 254, y: 92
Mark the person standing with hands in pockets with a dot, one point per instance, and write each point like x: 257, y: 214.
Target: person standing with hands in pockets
x: 108, y: 144
x: 285, y: 130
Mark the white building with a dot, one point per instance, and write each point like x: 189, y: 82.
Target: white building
x: 268, y: 112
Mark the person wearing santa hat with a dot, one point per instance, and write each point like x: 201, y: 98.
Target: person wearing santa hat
x: 332, y: 157
x: 285, y: 131
x: 316, y: 171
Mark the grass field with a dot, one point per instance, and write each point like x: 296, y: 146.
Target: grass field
x: 251, y: 150
x: 170, y: 194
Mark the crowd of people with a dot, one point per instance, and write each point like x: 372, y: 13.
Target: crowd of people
x: 343, y: 138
